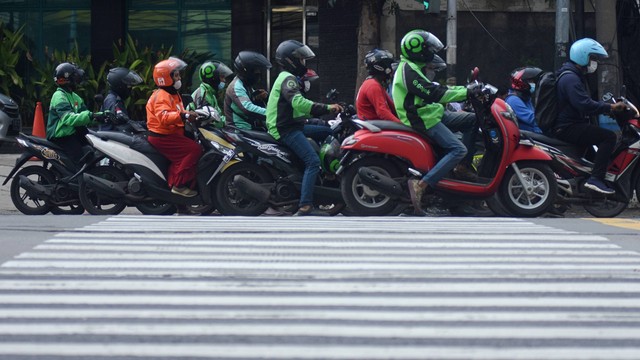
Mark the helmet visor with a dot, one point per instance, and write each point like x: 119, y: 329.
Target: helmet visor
x: 224, y: 70
x: 434, y: 44
x: 132, y: 78
x: 303, y: 53
x: 176, y: 64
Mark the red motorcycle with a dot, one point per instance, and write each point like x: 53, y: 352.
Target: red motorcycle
x: 379, y: 158
x: 573, y: 167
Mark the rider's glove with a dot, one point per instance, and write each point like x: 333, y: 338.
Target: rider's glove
x: 101, y: 116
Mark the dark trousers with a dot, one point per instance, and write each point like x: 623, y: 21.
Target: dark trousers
x: 586, y: 135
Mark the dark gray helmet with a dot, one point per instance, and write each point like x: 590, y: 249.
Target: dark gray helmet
x: 249, y: 66
x: 291, y: 56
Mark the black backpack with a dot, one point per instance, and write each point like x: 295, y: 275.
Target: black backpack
x: 545, y: 99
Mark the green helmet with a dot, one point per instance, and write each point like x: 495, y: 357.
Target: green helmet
x: 419, y: 45
x: 211, y: 71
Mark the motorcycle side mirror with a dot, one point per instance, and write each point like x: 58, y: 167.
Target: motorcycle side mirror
x: 98, y: 99
x: 606, y: 97
x: 473, y: 75
x: 332, y: 95
x: 623, y: 91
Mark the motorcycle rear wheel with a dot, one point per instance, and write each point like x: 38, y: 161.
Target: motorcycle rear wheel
x: 606, y: 208
x: 22, y: 200
x: 156, y: 208
x: 230, y: 201
x: 96, y: 203
x: 360, y: 199
x: 516, y: 200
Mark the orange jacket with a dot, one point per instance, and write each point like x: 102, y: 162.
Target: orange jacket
x: 164, y: 113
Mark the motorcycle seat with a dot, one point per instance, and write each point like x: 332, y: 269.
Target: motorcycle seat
x: 116, y: 136
x: 391, y: 125
x: 258, y: 135
x: 544, y: 138
x: 43, y: 142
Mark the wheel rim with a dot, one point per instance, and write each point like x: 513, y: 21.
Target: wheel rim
x: 97, y: 204
x: 28, y: 204
x: 534, y: 179
x: 367, y: 196
x: 235, y: 197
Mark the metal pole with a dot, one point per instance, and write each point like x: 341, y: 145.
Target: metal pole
x: 452, y: 45
x: 562, y: 32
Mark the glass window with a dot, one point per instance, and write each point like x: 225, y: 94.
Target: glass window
x: 155, y: 28
x: 151, y: 4
x: 61, y: 29
x: 208, y: 31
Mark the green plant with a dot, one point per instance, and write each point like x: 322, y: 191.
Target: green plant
x: 12, y: 47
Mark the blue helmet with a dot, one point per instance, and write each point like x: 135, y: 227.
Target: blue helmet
x: 582, y: 49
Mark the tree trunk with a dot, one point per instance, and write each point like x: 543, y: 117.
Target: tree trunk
x: 368, y: 33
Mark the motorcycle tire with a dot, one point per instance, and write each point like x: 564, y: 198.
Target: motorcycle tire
x: 360, y: 198
x: 158, y: 209
x: 21, y: 200
x: 497, y: 207
x: 230, y: 201
x: 606, y: 208
x: 98, y: 204
x: 515, y: 199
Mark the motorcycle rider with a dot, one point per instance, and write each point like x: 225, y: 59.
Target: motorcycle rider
x: 372, y: 100
x: 244, y: 106
x: 120, y: 81
x: 68, y: 115
x: 213, y: 75
x: 575, y: 105
x: 419, y: 104
x: 165, y: 119
x: 523, y: 84
x: 287, y: 110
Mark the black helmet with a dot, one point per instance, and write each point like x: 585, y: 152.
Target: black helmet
x: 68, y: 74
x: 523, y: 76
x: 121, y: 80
x: 249, y: 66
x: 291, y: 55
x: 379, y: 62
x: 211, y: 71
x: 419, y: 45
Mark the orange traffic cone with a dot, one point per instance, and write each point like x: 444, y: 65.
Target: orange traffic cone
x: 38, y: 126
x: 38, y: 122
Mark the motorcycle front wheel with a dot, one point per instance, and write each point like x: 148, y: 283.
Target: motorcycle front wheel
x: 156, y: 208
x: 25, y: 203
x: 229, y: 200
x: 99, y: 204
x: 361, y: 199
x: 540, y: 178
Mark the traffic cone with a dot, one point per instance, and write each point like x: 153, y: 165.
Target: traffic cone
x: 38, y: 122
x: 38, y: 126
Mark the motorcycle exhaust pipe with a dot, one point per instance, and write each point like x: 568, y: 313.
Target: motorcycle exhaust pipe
x: 34, y: 189
x: 380, y: 182
x: 103, y: 186
x: 250, y: 188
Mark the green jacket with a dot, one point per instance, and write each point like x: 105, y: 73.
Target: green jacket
x: 419, y: 102
x: 287, y: 109
x: 66, y: 112
x: 203, y: 96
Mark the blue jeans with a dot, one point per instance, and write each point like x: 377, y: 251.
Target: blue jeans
x: 298, y: 143
x: 464, y: 122
x: 447, y: 140
x: 317, y: 132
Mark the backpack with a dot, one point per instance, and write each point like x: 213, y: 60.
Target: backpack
x: 545, y: 99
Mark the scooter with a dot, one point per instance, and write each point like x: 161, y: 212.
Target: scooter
x: 380, y: 157
x: 53, y: 185
x: 270, y: 174
x: 142, y: 181
x: 573, y: 168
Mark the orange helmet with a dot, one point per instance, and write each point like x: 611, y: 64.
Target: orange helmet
x: 163, y: 71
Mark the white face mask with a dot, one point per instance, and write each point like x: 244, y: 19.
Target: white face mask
x: 307, y: 86
x: 593, y: 65
x: 221, y: 85
x: 177, y: 85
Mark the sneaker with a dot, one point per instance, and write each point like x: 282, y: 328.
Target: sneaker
x: 183, y: 191
x: 416, y: 192
x: 598, y: 185
x: 275, y: 212
x: 310, y: 212
x: 463, y: 172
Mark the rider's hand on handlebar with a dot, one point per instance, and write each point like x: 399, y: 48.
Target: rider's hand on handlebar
x: 101, y: 116
x: 474, y: 89
x: 618, y: 107
x: 335, y: 108
x: 190, y: 116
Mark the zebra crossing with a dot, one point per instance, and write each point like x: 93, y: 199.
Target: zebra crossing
x: 148, y: 287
